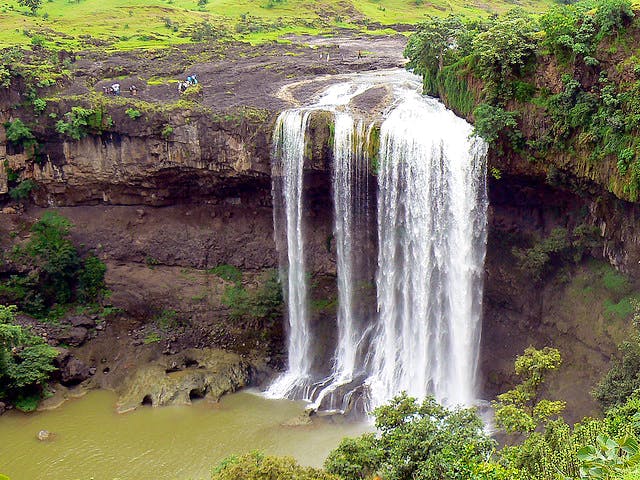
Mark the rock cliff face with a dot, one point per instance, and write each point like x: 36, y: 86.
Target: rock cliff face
x: 162, y: 207
x: 570, y: 306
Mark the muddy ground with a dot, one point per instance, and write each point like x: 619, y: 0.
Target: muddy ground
x: 237, y: 74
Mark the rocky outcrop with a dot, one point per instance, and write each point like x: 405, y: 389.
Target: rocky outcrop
x: 71, y: 370
x: 177, y: 380
x: 571, y: 307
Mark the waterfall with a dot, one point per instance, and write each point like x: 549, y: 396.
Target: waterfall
x: 431, y: 244
x: 287, y: 172
x: 419, y: 331
x: 350, y: 178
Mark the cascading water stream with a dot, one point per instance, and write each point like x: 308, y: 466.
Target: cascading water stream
x: 349, y: 179
x: 287, y: 172
x: 431, y: 235
x: 288, y: 154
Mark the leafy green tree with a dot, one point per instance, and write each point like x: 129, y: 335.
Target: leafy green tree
x: 356, y: 458
x: 434, y: 44
x: 56, y: 273
x: 91, y: 284
x: 257, y: 466
x: 52, y: 253
x: 26, y: 361
x: 504, y: 50
x: 520, y: 410
x: 417, y: 441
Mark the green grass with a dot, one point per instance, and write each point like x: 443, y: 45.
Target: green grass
x: 142, y: 24
x: 623, y: 309
x: 227, y: 272
x: 152, y: 337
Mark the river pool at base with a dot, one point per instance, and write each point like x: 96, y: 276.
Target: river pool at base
x: 175, y: 443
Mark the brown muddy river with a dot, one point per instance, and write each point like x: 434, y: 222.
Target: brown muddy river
x: 93, y: 442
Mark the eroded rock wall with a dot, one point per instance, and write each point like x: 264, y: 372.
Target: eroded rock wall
x: 162, y: 209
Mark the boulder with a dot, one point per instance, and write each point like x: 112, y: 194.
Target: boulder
x: 74, y: 372
x: 75, y: 337
x: 44, y: 435
x: 82, y: 321
x: 71, y: 370
x: 3, y: 408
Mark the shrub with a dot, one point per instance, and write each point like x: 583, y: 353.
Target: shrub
x: 536, y: 260
x: 18, y: 133
x: 81, y: 121
x: 227, y: 272
x: 166, y: 132
x: 39, y: 105
x: 32, y: 5
x: 22, y: 191
x: 167, y: 319
x: 132, y: 113
x: 262, y: 303
x: 91, y: 284
x: 206, y: 32
x: 26, y: 361
x: 491, y: 122
x: 622, y: 379
x: 256, y: 466
x: 27, y: 404
x: 153, y: 337
x: 56, y: 273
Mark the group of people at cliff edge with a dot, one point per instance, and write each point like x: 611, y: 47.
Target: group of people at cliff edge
x: 115, y: 90
x: 191, y: 81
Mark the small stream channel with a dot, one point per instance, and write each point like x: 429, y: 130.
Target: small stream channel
x: 182, y: 443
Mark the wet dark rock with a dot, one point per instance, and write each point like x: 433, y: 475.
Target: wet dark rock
x: 72, y: 371
x: 75, y: 337
x: 82, y: 321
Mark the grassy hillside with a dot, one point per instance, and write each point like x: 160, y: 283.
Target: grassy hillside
x: 128, y: 24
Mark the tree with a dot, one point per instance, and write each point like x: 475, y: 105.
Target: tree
x: 356, y: 458
x: 26, y: 361
x: 423, y: 441
x: 503, y: 51
x: 55, y: 257
x: 434, y: 44
x: 32, y: 5
x: 519, y: 410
